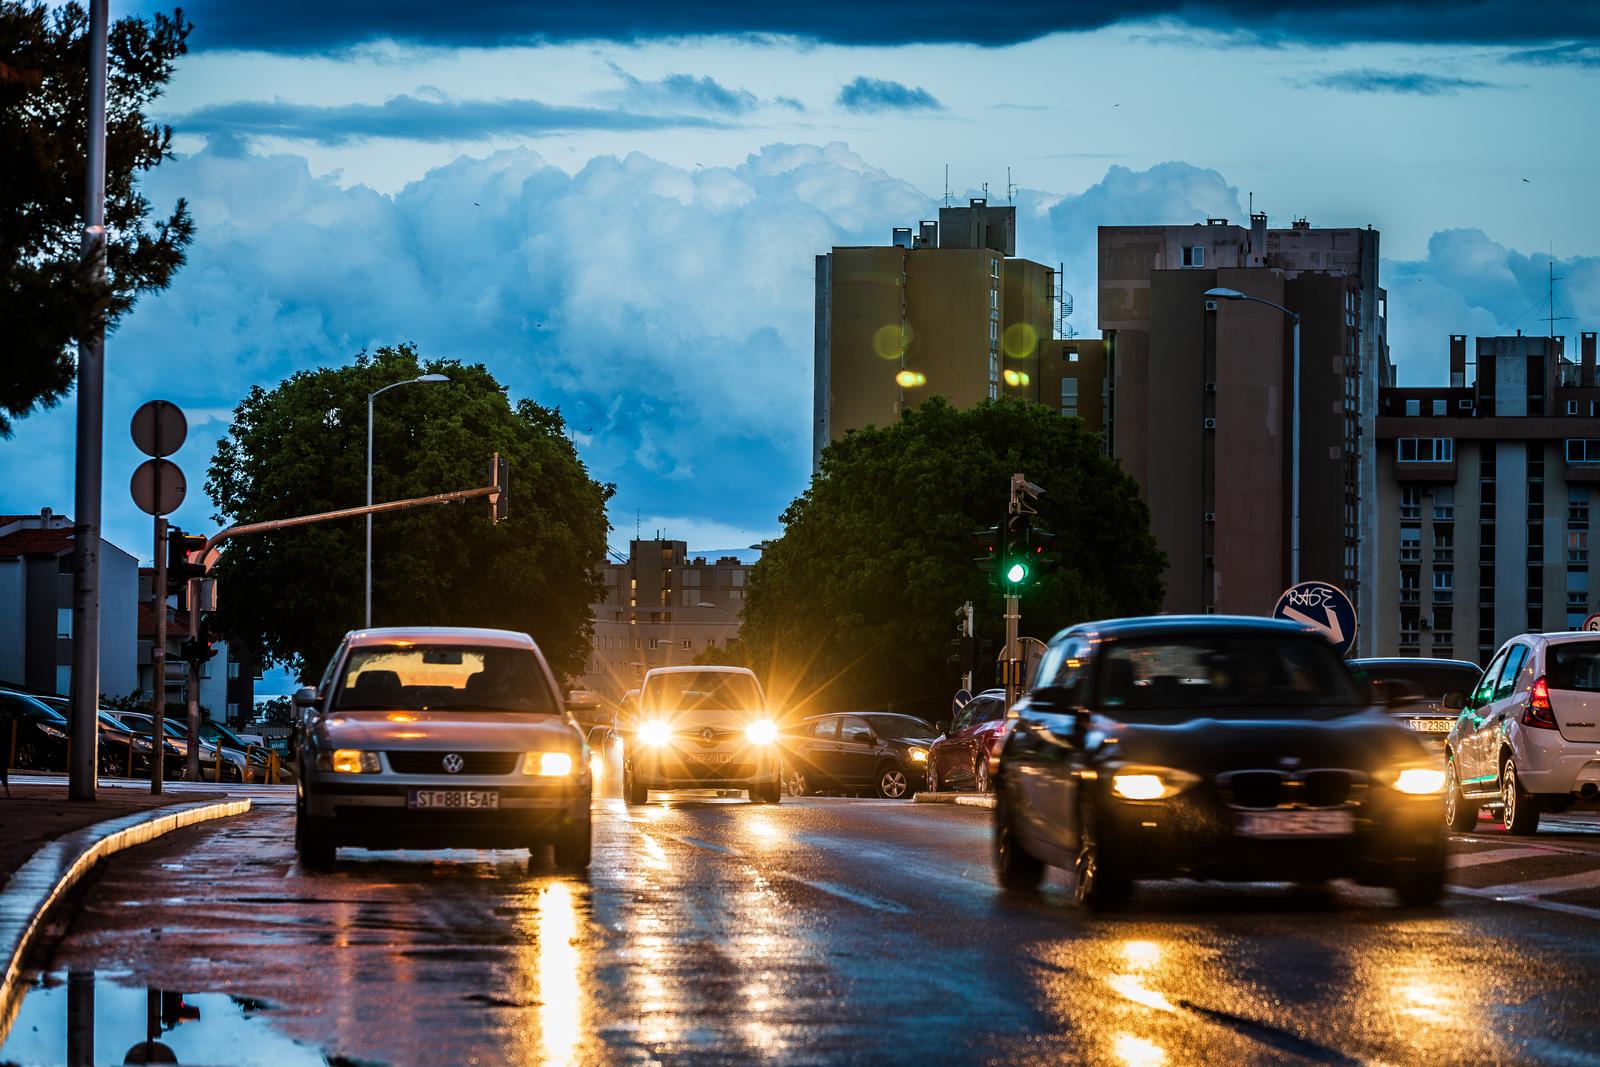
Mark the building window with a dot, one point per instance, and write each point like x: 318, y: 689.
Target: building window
x: 688, y: 646
x: 994, y: 298
x: 1438, y: 450
x: 1583, y: 450
x: 1413, y: 407
x: 1444, y: 586
x: 1410, y: 544
x: 1410, y: 503
x: 233, y: 669
x: 994, y: 390
x: 1408, y: 630
x: 994, y: 268
x: 1444, y: 542
x: 1577, y: 546
x: 994, y: 330
x: 1578, y: 506
x: 1444, y: 504
x: 1069, y: 396
x: 1409, y: 591
x: 63, y: 679
x: 233, y: 712
x: 1572, y: 407
x: 1072, y: 355
x: 63, y: 622
x: 1194, y: 255
x: 1440, y: 408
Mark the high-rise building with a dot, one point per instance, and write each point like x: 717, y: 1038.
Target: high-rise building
x: 1484, y: 495
x: 946, y: 309
x: 1197, y: 392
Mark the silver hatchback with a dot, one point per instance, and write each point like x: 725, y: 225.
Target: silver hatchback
x: 440, y: 737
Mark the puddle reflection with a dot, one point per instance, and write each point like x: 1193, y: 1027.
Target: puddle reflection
x: 82, y: 1019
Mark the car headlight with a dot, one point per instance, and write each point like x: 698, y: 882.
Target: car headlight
x: 918, y: 755
x: 761, y: 733
x: 141, y: 743
x: 1415, y: 780
x: 51, y: 731
x: 547, y: 764
x: 655, y: 732
x: 349, y: 761
x: 1150, y: 783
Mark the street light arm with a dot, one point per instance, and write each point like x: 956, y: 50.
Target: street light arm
x: 1234, y: 294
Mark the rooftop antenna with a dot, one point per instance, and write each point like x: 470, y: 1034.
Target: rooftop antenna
x: 636, y: 522
x: 986, y: 191
x: 1252, y: 203
x: 1009, y: 187
x: 947, y: 185
x: 1552, y: 317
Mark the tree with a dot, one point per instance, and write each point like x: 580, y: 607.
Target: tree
x: 301, y: 448
x: 46, y: 300
x: 854, y: 606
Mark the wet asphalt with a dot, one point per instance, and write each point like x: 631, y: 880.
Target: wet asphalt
x: 818, y: 931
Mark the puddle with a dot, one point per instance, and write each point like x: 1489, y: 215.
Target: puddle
x: 82, y: 1018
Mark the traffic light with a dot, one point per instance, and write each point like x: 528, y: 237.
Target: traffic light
x: 986, y: 544
x: 1016, y: 560
x: 499, y: 473
x: 179, y: 570
x: 198, y: 649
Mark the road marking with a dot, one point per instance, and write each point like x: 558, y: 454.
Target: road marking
x: 707, y: 845
x: 1540, y: 887
x: 1494, y: 855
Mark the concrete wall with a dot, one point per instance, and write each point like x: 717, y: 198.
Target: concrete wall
x: 119, y: 621
x: 13, y: 621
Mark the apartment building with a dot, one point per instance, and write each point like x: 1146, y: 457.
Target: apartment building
x: 1197, y: 396
x: 1485, y: 491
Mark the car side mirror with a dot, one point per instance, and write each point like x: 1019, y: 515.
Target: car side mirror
x: 943, y: 726
x: 1454, y: 700
x: 863, y: 737
x: 582, y: 698
x: 305, y: 697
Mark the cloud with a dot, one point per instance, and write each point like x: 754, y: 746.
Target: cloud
x: 869, y: 95
x: 1409, y: 82
x: 304, y: 26
x: 412, y: 118
x: 704, y: 93
x: 1582, y: 56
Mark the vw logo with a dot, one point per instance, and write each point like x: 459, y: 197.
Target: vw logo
x: 453, y: 763
x: 708, y: 735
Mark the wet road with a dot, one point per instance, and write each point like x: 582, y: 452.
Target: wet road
x: 821, y: 931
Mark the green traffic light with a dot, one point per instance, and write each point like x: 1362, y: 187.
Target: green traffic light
x: 1016, y: 573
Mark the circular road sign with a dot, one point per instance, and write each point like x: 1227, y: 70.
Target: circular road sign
x: 1323, y: 607
x: 158, y: 487
x: 159, y: 428
x: 961, y: 700
x: 1592, y: 622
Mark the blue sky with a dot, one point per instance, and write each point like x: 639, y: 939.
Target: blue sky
x: 616, y: 207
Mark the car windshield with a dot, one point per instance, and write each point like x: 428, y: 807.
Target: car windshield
x: 1175, y: 678
x: 1420, y: 682
x: 1575, y: 666
x: 213, y: 730
x: 901, y: 726
x: 700, y: 690
x: 443, y: 678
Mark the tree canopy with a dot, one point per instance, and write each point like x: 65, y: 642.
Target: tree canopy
x: 46, y: 300
x: 854, y: 605
x: 301, y: 448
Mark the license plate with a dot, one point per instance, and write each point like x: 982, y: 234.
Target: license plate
x: 711, y: 758
x: 1431, y: 726
x: 454, y: 799
x: 1293, y: 824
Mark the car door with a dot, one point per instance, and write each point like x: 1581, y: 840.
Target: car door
x: 858, y: 751
x: 1471, y: 719
x: 1046, y: 737
x: 1486, y: 739
x: 817, y: 750
x: 958, y: 764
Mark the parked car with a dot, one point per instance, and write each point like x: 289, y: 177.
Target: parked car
x: 440, y: 737
x: 39, y: 730
x: 252, y: 753
x: 177, y: 731
x: 1216, y: 747
x: 963, y: 755
x: 702, y: 728
x: 878, y: 751
x: 115, y: 739
x: 1528, y: 740
x: 1425, y: 694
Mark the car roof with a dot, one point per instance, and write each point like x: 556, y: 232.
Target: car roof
x: 1567, y: 637
x: 1163, y: 624
x: 1413, y: 661
x: 458, y: 635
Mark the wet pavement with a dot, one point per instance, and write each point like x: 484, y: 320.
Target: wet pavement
x: 818, y: 931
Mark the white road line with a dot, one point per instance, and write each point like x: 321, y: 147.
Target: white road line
x: 1496, y: 855
x: 1541, y: 887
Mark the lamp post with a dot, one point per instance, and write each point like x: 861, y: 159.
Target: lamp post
x: 370, y: 397
x: 1294, y: 416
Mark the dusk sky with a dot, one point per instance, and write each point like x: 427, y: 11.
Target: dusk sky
x: 617, y: 210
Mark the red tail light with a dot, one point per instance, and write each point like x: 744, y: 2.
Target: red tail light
x: 1539, y: 712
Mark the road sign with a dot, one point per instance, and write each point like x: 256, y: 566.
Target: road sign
x: 158, y: 487
x: 159, y: 428
x: 1322, y: 606
x: 1592, y: 622
x: 962, y: 699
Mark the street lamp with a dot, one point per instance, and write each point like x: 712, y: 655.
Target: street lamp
x: 1294, y: 416
x: 370, y: 397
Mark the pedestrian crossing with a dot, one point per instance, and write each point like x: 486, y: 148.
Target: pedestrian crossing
x: 1558, y: 869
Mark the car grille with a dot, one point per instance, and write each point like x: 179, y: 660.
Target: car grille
x: 1265, y: 789
x: 413, y: 762
x: 700, y: 772
x: 698, y: 735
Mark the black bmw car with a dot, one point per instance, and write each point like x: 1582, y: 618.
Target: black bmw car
x: 1215, y: 747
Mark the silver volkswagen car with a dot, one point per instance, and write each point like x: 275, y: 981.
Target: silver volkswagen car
x: 435, y: 737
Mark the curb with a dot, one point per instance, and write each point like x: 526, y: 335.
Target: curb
x: 976, y: 801
x: 50, y: 873
x: 970, y: 800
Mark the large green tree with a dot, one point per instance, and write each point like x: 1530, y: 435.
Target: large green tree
x: 855, y: 604
x: 301, y: 448
x: 46, y: 301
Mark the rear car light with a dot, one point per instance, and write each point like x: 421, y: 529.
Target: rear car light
x: 1538, y: 712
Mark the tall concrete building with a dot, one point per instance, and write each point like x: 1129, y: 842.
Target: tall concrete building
x: 1197, y: 393
x: 661, y: 608
x: 946, y: 309
x: 1485, y: 492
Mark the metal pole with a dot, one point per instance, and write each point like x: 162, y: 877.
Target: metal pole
x: 191, y: 770
x: 1013, y: 617
x: 158, y: 665
x: 1294, y: 460
x: 85, y: 684
x: 972, y: 637
x: 368, y: 617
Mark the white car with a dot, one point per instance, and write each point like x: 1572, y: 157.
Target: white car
x: 701, y: 728
x: 1528, y: 740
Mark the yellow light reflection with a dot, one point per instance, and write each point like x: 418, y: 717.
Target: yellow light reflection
x: 655, y: 855
x: 408, y: 735
x: 1141, y: 955
x: 891, y: 341
x: 910, y: 379
x: 401, y: 716
x: 597, y: 769
x: 560, y: 1009
x: 1133, y: 987
x: 1020, y: 339
x: 1137, y: 1052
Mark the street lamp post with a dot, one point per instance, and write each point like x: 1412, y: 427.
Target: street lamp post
x: 370, y: 397
x: 1294, y: 416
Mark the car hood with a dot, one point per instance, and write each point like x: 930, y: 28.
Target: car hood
x: 487, y: 731
x: 1365, y: 741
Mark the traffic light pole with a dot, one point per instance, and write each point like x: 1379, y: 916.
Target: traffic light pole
x: 158, y: 665
x: 1013, y: 649
x: 972, y: 636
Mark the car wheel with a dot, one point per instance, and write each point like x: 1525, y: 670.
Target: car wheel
x: 980, y: 779
x: 27, y: 756
x: 1016, y: 868
x: 1521, y: 814
x: 1460, y: 814
x: 771, y: 793
x: 113, y: 765
x: 572, y: 848
x: 1099, y: 883
x: 892, y: 782
x: 797, y: 783
x: 1420, y: 882
x: 632, y: 791
x: 313, y: 842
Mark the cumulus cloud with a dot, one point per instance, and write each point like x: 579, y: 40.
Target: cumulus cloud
x: 704, y: 93
x: 1583, y: 56
x: 420, y: 117
x: 871, y: 95
x: 1407, y: 82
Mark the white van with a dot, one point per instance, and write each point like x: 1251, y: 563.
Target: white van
x: 701, y: 728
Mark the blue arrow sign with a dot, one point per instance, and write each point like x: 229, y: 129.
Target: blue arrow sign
x: 1323, y: 607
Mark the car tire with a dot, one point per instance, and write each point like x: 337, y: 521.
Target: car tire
x: 797, y: 783
x: 980, y: 774
x: 632, y: 791
x: 771, y: 793
x: 313, y: 842
x: 1460, y: 814
x: 113, y: 765
x: 27, y: 756
x: 1420, y: 882
x: 893, y: 784
x: 572, y: 848
x: 1098, y: 881
x: 1521, y: 811
x: 1017, y: 870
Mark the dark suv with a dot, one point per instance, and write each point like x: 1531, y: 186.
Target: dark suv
x: 880, y: 751
x: 1234, y: 749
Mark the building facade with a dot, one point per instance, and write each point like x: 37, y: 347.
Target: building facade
x: 661, y: 608
x: 1197, y: 392
x: 1485, y: 494
x: 227, y: 682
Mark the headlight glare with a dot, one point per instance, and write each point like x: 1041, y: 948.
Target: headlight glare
x: 919, y: 755
x: 655, y: 732
x: 1150, y: 783
x: 51, y: 731
x: 1417, y: 781
x: 547, y: 764
x: 761, y: 733
x: 354, y: 761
